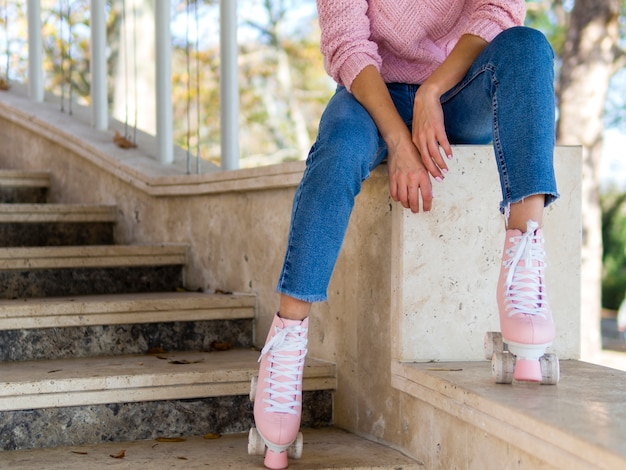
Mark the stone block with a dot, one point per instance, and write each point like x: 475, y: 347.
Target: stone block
x: 445, y: 264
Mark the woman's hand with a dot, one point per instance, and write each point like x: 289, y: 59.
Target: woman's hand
x: 429, y: 133
x: 408, y: 178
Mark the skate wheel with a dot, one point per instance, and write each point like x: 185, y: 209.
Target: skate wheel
x: 253, y: 383
x: 295, y: 450
x: 256, y: 446
x: 550, y: 369
x: 493, y: 343
x: 502, y: 367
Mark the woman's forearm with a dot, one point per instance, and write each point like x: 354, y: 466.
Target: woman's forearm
x: 455, y: 66
x: 371, y: 91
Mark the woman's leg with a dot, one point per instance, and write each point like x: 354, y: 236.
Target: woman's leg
x: 348, y: 147
x: 508, y: 97
x: 292, y: 308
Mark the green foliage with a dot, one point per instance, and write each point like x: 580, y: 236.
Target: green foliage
x: 282, y: 82
x: 549, y: 17
x: 66, y: 48
x: 614, y: 254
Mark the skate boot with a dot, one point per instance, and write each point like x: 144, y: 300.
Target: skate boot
x: 525, y: 317
x: 278, y: 395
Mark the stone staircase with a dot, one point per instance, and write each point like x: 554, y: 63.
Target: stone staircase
x: 102, y: 343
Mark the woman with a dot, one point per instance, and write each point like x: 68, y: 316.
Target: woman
x: 413, y: 78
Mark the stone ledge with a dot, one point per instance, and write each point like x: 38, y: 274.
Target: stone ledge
x: 578, y: 424
x: 138, y: 167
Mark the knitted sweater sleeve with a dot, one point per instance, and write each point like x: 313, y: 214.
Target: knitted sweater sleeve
x: 345, y: 40
x: 490, y: 17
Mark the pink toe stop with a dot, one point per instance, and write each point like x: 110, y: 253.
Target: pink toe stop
x: 276, y: 460
x: 527, y: 370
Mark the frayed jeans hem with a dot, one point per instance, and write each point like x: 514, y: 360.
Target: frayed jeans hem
x: 304, y: 298
x: 505, y: 207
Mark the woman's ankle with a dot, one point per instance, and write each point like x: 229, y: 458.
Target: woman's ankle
x: 293, y: 309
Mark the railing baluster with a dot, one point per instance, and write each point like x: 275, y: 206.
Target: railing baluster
x: 7, y: 40
x: 164, y: 81
x: 99, y: 111
x: 229, y: 85
x: 35, y: 51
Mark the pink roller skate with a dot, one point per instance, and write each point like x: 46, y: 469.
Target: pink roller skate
x: 525, y: 318
x: 277, y: 394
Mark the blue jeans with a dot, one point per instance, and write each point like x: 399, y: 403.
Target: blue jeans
x: 507, y: 97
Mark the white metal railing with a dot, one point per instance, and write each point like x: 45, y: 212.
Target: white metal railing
x: 229, y: 111
x: 100, y: 114
x: 35, y: 51
x: 229, y: 88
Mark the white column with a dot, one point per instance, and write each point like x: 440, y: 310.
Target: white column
x: 99, y: 106
x: 35, y: 51
x: 163, y: 62
x: 229, y: 85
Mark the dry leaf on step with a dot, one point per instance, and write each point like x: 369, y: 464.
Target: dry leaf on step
x: 120, y: 455
x: 221, y: 345
x: 184, y: 361
x: 170, y: 439
x: 211, y: 435
x: 156, y: 350
x: 122, y: 141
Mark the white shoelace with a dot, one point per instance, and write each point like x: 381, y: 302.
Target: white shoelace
x: 527, y: 296
x: 286, y: 340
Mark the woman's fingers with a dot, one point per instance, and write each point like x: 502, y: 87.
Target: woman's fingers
x: 411, y: 187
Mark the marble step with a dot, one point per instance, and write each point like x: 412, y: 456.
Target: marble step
x: 80, y: 401
x: 85, y: 270
x: 91, y: 256
x: 56, y: 225
x: 324, y: 449
x: 18, y: 186
x: 31, y: 213
x: 122, y: 379
x: 123, y: 309
x: 56, y: 328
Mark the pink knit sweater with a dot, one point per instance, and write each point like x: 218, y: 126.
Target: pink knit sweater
x: 405, y: 39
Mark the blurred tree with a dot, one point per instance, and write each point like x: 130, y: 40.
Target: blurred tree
x: 586, y: 37
x: 282, y: 83
x: 614, y: 253
x: 284, y: 78
x: 590, y: 57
